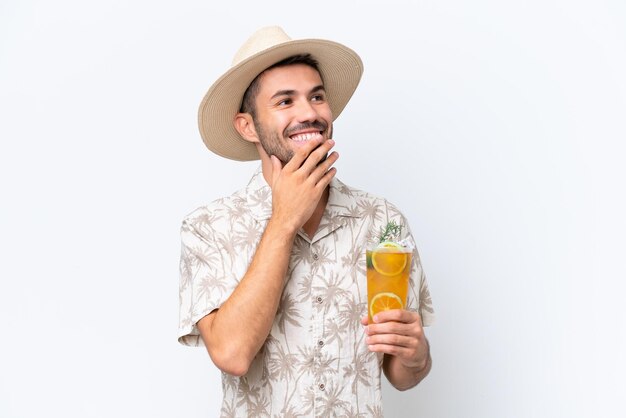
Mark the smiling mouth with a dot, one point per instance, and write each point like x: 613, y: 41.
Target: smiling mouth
x: 307, y: 136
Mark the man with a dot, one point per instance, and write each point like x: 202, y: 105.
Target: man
x: 273, y: 277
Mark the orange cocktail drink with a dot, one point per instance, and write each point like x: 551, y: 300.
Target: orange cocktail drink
x: 388, y: 269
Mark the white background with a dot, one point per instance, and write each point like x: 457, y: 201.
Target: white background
x: 497, y: 126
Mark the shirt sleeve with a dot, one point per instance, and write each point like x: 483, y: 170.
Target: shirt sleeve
x: 204, y: 281
x: 419, y: 293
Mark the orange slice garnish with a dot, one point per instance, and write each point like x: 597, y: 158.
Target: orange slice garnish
x: 385, y: 301
x: 388, y: 259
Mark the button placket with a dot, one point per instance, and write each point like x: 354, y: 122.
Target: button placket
x: 318, y: 333
x: 314, y: 253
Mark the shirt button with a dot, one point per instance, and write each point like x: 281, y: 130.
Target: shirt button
x: 315, y: 256
x: 320, y: 343
x: 321, y: 386
x: 319, y: 299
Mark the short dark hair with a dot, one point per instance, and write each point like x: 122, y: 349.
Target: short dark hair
x: 248, y: 104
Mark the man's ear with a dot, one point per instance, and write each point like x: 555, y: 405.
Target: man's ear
x: 245, y: 126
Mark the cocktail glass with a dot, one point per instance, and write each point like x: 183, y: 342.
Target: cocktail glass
x: 388, y: 269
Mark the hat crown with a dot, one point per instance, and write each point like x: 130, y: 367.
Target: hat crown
x: 261, y: 40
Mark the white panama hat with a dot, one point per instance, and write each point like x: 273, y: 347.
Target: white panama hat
x: 340, y: 68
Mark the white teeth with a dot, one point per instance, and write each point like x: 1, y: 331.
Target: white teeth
x: 305, y: 137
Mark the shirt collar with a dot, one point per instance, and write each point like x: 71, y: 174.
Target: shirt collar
x: 259, y: 196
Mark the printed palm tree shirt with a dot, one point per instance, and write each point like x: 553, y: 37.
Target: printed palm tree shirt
x: 315, y: 362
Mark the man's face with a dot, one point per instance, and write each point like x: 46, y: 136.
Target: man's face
x: 291, y: 108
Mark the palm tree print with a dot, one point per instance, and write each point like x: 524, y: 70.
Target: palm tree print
x: 358, y: 371
x: 375, y: 411
x: 332, y: 403
x: 287, y: 312
x: 352, y: 413
x: 281, y: 364
x: 332, y: 289
x: 369, y: 209
x: 315, y: 362
x: 305, y: 287
x: 210, y: 284
x: 248, y: 235
x: 350, y: 313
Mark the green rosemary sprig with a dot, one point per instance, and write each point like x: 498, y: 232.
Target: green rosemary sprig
x: 390, y: 232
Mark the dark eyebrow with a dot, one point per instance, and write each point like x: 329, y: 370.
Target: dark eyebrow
x: 283, y: 93
x: 292, y: 92
x: 318, y: 88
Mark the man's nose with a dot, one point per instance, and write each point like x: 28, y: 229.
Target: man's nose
x: 306, y: 111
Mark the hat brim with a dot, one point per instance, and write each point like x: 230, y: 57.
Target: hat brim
x: 340, y: 68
